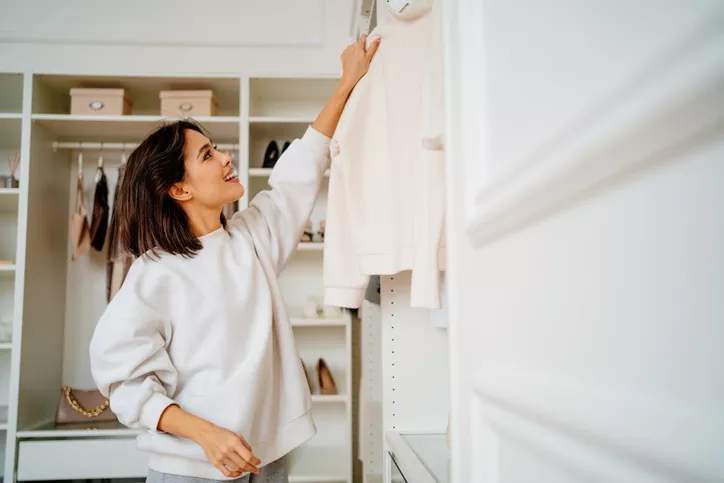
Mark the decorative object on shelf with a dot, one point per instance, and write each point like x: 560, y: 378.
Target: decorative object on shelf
x: 11, y: 181
x: 286, y: 146
x: 329, y: 312
x: 99, y: 219
x: 271, y: 155
x: 326, y: 381
x: 308, y: 234
x: 100, y: 102
x: 314, y: 308
x: 320, y: 232
x: 79, y: 230
x: 311, y: 308
x: 118, y: 262
x: 82, y: 406
x: 6, y: 262
x: 188, y: 103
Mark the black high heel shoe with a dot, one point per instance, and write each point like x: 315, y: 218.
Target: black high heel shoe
x: 271, y: 156
x: 286, y: 146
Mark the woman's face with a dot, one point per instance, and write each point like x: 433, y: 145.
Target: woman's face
x: 210, y: 177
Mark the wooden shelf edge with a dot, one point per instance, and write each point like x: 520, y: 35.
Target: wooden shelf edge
x: 129, y: 118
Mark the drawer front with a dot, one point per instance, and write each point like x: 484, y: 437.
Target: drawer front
x: 81, y: 459
x: 99, y: 106
x: 187, y: 107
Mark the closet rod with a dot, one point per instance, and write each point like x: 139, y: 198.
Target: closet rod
x: 98, y: 146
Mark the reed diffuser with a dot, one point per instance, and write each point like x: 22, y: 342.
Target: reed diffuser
x: 12, y: 181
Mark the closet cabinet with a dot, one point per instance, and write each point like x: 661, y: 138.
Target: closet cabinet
x: 54, y: 303
x: 11, y: 225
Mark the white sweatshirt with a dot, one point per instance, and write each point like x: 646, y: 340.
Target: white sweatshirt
x: 386, y: 190
x: 210, y: 333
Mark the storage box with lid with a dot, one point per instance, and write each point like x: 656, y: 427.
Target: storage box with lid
x: 102, y: 102
x: 189, y: 103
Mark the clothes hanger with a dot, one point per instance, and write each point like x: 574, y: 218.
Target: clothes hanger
x: 80, y: 161
x: 99, y: 171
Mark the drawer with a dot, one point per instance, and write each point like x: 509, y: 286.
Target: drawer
x: 198, y: 103
x: 69, y: 459
x: 99, y: 102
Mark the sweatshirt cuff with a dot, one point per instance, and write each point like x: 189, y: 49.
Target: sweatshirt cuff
x: 350, y: 298
x: 153, y: 409
x: 317, y: 142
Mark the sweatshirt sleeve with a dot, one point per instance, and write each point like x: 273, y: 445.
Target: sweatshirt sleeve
x: 129, y: 362
x: 278, y: 216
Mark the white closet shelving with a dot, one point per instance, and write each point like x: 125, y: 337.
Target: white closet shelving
x: 54, y: 303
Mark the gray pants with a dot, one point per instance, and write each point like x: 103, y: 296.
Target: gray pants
x: 275, y: 472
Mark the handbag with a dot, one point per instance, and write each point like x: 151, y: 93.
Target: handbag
x: 79, y: 229
x: 83, y: 407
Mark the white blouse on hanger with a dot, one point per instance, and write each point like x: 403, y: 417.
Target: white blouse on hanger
x: 386, y: 191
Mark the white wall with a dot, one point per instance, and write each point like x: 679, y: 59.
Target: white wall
x: 586, y: 234
x: 174, y: 36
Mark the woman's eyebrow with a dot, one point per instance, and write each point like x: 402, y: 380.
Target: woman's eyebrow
x: 205, y: 146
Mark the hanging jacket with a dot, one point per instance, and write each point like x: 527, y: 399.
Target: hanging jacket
x: 99, y: 221
x: 117, y: 262
x: 386, y: 190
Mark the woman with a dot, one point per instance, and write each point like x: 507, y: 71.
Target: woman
x: 196, y: 348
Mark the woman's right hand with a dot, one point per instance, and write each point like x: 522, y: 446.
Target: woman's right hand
x: 228, y: 451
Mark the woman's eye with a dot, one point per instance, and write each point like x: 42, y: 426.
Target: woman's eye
x: 207, y: 155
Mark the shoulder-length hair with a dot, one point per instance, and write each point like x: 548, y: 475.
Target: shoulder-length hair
x: 147, y: 218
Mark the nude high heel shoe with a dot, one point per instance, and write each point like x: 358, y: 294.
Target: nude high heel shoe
x: 326, y: 381
x: 306, y: 374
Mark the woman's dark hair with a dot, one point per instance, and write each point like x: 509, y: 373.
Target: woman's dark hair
x: 146, y: 216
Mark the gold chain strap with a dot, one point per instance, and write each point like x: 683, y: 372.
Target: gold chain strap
x: 92, y: 413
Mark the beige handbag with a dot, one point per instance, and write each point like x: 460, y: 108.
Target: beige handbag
x: 79, y: 229
x: 83, y: 407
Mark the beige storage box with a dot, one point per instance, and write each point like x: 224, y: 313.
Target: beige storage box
x: 188, y: 103
x: 102, y: 102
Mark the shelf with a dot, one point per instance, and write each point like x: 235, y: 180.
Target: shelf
x: 324, y: 399
x: 281, y: 120
x: 422, y: 457
x: 98, y: 430
x: 11, y: 115
x: 7, y: 268
x: 3, y: 418
x: 311, y: 247
x: 336, y: 322
x: 313, y: 464
x: 6, y: 346
x: 69, y: 127
x: 266, y: 172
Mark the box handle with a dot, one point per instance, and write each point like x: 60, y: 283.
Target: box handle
x: 186, y: 107
x: 96, y: 105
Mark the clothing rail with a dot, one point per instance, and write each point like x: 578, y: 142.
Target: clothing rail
x: 101, y: 146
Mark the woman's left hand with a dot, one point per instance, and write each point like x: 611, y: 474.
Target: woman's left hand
x: 356, y: 60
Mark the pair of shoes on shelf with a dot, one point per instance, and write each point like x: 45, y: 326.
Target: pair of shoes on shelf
x: 309, y: 236
x: 325, y: 380
x: 272, y: 154
x: 315, y: 309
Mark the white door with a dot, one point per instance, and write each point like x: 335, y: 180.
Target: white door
x: 586, y: 240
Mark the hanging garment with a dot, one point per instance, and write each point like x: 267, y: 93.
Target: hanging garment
x: 118, y: 262
x: 386, y: 190
x: 79, y: 230
x: 99, y: 220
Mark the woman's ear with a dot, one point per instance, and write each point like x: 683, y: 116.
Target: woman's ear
x: 178, y: 192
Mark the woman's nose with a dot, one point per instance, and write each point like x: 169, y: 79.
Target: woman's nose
x: 226, y: 159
